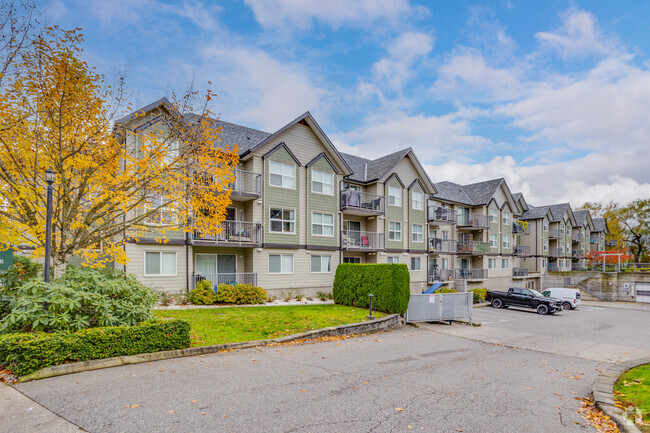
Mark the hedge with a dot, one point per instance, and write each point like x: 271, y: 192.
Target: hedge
x: 389, y: 283
x: 24, y: 353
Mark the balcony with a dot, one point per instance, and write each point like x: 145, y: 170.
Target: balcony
x: 521, y: 250
x: 553, y: 233
x: 578, y: 254
x: 471, y: 274
x: 247, y: 186
x: 353, y: 240
x: 442, y: 246
x: 519, y: 272
x: 556, y: 252
x: 439, y: 275
x: 362, y: 203
x: 577, y: 238
x: 219, y: 278
x: 519, y: 229
x: 233, y: 233
x: 473, y: 221
x: 473, y: 247
x: 554, y: 269
x: 441, y: 215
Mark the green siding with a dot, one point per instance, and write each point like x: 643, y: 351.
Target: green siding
x: 322, y: 203
x: 494, y: 228
x: 396, y: 214
x: 506, y: 229
x: 417, y: 217
x: 277, y: 197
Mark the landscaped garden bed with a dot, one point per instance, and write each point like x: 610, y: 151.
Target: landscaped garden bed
x: 632, y: 390
x: 235, y: 324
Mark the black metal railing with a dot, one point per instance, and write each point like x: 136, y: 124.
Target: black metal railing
x: 247, y: 182
x: 226, y: 278
x: 438, y: 275
x: 473, y: 220
x: 362, y: 201
x: 442, y: 246
x: 519, y: 272
x: 471, y: 274
x: 362, y: 240
x: 521, y: 250
x: 442, y: 215
x: 234, y: 232
x: 473, y: 247
x: 520, y: 229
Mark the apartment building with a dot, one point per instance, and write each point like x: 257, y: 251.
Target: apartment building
x: 581, y: 238
x: 299, y: 208
x: 598, y: 235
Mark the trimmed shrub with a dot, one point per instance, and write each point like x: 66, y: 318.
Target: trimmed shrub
x: 446, y: 290
x: 22, y: 270
x: 25, y: 353
x: 479, y: 294
x: 82, y: 298
x: 203, y: 294
x: 389, y: 283
x: 240, y: 294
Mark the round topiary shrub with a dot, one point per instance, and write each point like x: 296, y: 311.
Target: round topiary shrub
x: 203, y: 294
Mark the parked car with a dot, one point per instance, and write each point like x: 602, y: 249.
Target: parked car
x: 528, y: 298
x: 570, y: 297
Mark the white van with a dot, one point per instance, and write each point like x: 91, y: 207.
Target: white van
x: 570, y: 297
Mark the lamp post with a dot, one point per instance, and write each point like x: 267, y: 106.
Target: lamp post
x: 49, y: 178
x: 370, y: 316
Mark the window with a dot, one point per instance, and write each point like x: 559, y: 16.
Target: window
x: 351, y: 187
x: 506, y: 217
x: 322, y: 182
x: 505, y: 263
x: 494, y: 215
x: 506, y: 241
x: 394, y: 231
x: 321, y: 264
x: 416, y: 263
x: 280, y: 264
x: 545, y: 245
x: 322, y: 224
x: 282, y: 220
x: 394, y: 260
x: 417, y: 233
x: 162, y: 215
x: 561, y: 229
x: 356, y: 260
x: 417, y: 200
x: 543, y: 263
x: 494, y: 241
x: 282, y: 175
x: 492, y: 263
x: 394, y: 196
x: 545, y: 225
x: 561, y: 245
x: 159, y: 263
x: 445, y: 264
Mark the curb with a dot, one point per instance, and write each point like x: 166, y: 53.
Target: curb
x: 387, y: 323
x: 603, y: 388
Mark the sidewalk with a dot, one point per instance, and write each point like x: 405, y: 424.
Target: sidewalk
x: 22, y: 415
x: 639, y: 306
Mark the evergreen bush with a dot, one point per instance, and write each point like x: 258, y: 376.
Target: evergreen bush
x: 240, y: 294
x: 203, y: 294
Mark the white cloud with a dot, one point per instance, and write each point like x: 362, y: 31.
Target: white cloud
x: 403, y: 53
x: 302, y: 14
x: 578, y: 37
x: 203, y: 16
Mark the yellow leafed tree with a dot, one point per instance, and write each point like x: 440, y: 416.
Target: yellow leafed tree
x: 161, y: 173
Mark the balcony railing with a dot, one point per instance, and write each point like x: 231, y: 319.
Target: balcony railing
x: 577, y: 237
x: 577, y: 254
x: 360, y: 240
x: 553, y: 233
x: 554, y: 269
x: 362, y: 201
x: 518, y: 229
x: 519, y: 272
x: 471, y: 274
x: 473, y: 220
x: 234, y: 232
x: 556, y: 252
x: 473, y: 247
x: 437, y: 275
x: 442, y: 215
x: 521, y: 250
x: 442, y: 246
x: 247, y: 183
x: 226, y: 278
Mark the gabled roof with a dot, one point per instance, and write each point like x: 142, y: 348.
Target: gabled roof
x: 519, y: 197
x: 600, y: 225
x: 475, y: 194
x: 481, y: 192
x: 535, y: 213
x: 450, y: 191
x: 583, y: 216
x: 245, y: 138
x: 162, y: 102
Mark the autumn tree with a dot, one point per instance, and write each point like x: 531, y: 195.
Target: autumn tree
x: 111, y: 184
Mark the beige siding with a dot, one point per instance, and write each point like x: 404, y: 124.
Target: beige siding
x: 170, y: 284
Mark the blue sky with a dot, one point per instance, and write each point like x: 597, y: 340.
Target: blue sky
x: 551, y: 95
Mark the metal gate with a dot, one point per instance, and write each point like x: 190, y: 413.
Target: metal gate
x: 642, y: 292
x: 440, y: 306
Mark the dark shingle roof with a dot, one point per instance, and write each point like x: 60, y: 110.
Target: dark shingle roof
x: 535, y: 213
x: 482, y: 192
x: 367, y: 170
x: 516, y: 196
x: 558, y: 211
x: 580, y: 216
x: 599, y: 224
x: 245, y: 138
x: 452, y: 192
x: 139, y: 112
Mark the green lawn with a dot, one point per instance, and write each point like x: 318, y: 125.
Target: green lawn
x: 633, y: 388
x: 233, y: 324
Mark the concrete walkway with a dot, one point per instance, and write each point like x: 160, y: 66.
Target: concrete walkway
x: 20, y: 414
x: 639, y: 306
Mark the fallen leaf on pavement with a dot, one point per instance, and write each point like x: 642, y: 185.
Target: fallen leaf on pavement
x: 195, y: 401
x: 171, y: 411
x: 133, y: 406
x: 399, y: 409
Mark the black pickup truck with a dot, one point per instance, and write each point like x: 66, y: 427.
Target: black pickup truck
x: 528, y: 298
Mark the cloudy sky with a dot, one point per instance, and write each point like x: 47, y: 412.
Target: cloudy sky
x: 554, y: 95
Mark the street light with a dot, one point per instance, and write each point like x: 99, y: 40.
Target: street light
x: 370, y: 316
x: 49, y: 178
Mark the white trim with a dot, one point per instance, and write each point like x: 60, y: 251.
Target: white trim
x: 282, y: 232
x: 400, y: 231
x: 421, y: 233
x: 413, y: 201
x: 293, y: 264
x: 321, y: 264
x: 295, y: 181
x: 144, y: 271
x: 323, y: 183
x: 312, y: 224
x: 400, y: 196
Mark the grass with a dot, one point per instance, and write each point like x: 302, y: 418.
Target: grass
x: 633, y: 389
x: 234, y: 324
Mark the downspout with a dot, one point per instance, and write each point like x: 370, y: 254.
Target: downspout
x: 340, y: 215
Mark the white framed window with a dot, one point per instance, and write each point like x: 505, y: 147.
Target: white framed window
x: 394, y: 231
x: 163, y: 215
x: 322, y: 182
x: 356, y: 260
x: 394, y: 196
x: 492, y: 263
x: 562, y: 245
x: 394, y: 260
x: 545, y: 245
x: 506, y: 216
x: 417, y: 200
x: 282, y: 220
x: 160, y: 263
x: 505, y: 263
x: 444, y: 264
x: 493, y: 215
x: 543, y: 263
x: 282, y: 174
x: 494, y: 241
x: 545, y: 225
x: 506, y: 241
x: 561, y: 229
x: 417, y: 233
x: 321, y: 264
x: 322, y: 224
x: 416, y: 263
x: 280, y: 264
x: 351, y: 187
